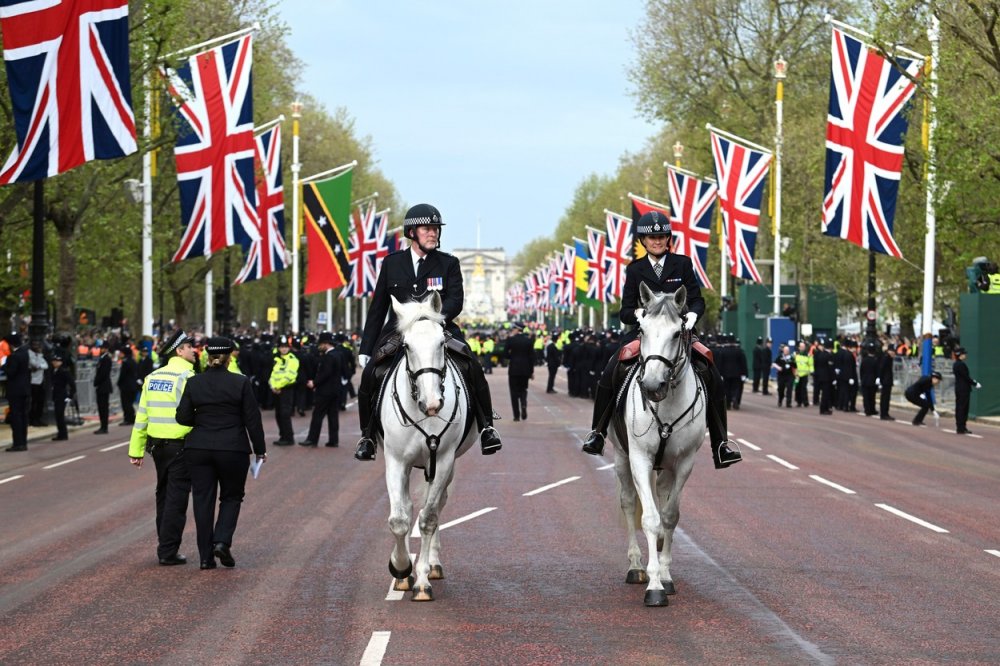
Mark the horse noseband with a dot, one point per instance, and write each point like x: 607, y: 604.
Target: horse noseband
x: 414, y: 374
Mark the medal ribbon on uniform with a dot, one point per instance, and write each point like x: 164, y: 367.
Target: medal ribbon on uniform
x: 435, y: 284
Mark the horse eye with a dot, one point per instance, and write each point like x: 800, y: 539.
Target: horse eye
x: 677, y: 335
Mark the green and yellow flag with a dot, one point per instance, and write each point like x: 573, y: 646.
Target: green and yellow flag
x: 327, y: 208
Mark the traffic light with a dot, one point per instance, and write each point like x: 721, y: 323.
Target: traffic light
x: 304, y: 311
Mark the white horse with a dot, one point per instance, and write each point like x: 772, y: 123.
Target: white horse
x: 663, y: 425
x: 423, y: 410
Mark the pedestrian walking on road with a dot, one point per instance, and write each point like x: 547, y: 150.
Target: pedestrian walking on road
x: 226, y: 430
x: 520, y: 369
x: 553, y: 359
x: 17, y: 368
x: 157, y: 429
x: 327, y: 387
x: 964, y: 384
x: 919, y: 393
x: 885, y: 382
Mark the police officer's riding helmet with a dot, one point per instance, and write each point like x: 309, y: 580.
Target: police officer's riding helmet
x: 652, y: 223
x: 420, y: 215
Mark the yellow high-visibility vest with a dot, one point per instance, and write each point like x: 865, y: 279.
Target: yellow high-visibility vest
x: 156, y: 415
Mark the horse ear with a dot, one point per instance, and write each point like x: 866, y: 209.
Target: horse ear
x: 680, y: 298
x: 436, y: 301
x: 645, y: 294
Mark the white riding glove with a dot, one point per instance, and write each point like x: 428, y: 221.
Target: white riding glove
x: 690, y: 319
x: 363, y: 360
x: 936, y: 414
x: 978, y: 385
x: 850, y: 382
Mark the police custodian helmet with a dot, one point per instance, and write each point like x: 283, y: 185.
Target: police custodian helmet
x: 652, y: 223
x: 420, y: 215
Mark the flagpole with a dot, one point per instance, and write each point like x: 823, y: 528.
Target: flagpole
x: 779, y: 74
x: 737, y: 139
x: 329, y: 172
x: 871, y: 38
x: 329, y: 309
x: 147, y: 213
x: 209, y: 314
x: 296, y: 204
x: 260, y: 129
x: 688, y: 172
x: 933, y: 34
x: 214, y: 40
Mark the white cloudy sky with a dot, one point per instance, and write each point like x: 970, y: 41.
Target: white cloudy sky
x: 492, y: 111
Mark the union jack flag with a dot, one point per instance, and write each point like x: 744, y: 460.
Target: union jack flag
x: 741, y: 173
x: 555, y: 279
x: 692, y: 202
x: 568, y: 275
x: 366, y: 250
x: 865, y: 130
x: 618, y: 253
x: 269, y: 254
x: 68, y: 72
x: 598, y: 283
x: 215, y: 149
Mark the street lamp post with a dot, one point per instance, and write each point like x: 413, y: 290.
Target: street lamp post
x: 779, y: 74
x: 296, y: 239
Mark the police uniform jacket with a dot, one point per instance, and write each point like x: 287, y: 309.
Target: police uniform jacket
x: 128, y: 374
x: 553, y: 355
x: 520, y: 355
x: 18, y: 373
x: 439, y: 272
x: 62, y: 384
x: 223, y: 414
x: 677, y: 271
x: 922, y: 386
x: 823, y: 365
x: 102, y: 378
x: 963, y: 381
x: 157, y: 413
x: 869, y: 370
x: 329, y: 373
x: 885, y: 370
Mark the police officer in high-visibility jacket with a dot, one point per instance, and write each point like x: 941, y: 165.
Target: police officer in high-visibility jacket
x: 156, y: 428
x: 283, y: 377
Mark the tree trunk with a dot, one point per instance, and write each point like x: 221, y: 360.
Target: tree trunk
x: 66, y: 289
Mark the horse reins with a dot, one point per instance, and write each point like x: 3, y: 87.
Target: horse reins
x: 432, y: 441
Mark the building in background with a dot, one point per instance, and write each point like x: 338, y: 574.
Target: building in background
x: 486, y: 275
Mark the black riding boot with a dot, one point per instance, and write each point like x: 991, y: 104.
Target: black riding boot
x: 489, y: 438
x: 604, y: 405
x: 366, y: 395
x: 718, y: 430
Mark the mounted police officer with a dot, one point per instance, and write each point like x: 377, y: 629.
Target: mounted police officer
x: 663, y: 272
x: 156, y: 426
x: 410, y: 275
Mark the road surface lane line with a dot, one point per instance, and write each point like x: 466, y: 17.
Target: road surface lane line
x: 474, y: 514
x: 604, y: 467
x: 12, y: 478
x: 550, y: 486
x: 748, y: 444
x: 114, y: 446
x: 912, y: 519
x: 376, y: 648
x: 994, y: 552
x: 394, y: 594
x: 837, y: 486
x: 783, y: 463
x: 64, y: 462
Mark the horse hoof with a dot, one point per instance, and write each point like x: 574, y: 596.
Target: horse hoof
x: 636, y: 577
x: 396, y: 573
x: 656, y: 598
x: 436, y: 572
x: 404, y: 584
x: 668, y: 586
x: 423, y: 593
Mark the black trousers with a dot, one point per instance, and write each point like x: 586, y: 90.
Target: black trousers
x: 868, y: 399
x: 284, y: 403
x: 885, y: 394
x: 785, y: 387
x: 961, y: 409
x: 36, y: 413
x: 553, y: 370
x: 18, y: 420
x: 734, y: 391
x: 518, y: 385
x: 923, y: 403
x: 222, y: 476
x: 764, y: 380
x: 328, y: 408
x: 802, y: 391
x: 173, y: 485
x: 128, y: 405
x: 103, y: 409
x: 822, y: 395
x: 59, y: 407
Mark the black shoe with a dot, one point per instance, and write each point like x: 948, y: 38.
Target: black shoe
x: 60, y: 438
x: 101, y: 431
x: 173, y: 560
x: 127, y: 423
x: 887, y: 418
x: 825, y: 412
x: 516, y: 419
x: 524, y: 415
x: 282, y: 442
x: 489, y: 441
x: 16, y: 448
x: 723, y: 456
x: 307, y: 442
x: 551, y: 391
x: 208, y: 564
x: 964, y: 431
x: 332, y: 445
x: 919, y: 424
x: 221, y: 551
x: 366, y: 449
x: 594, y: 444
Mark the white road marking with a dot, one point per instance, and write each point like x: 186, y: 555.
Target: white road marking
x: 415, y: 533
x: 912, y: 519
x: 114, y: 446
x: 604, y: 467
x: 783, y: 463
x: 837, y: 486
x: 376, y: 648
x: 12, y: 478
x: 969, y: 434
x: 64, y: 462
x: 550, y: 486
x: 994, y: 552
x: 748, y: 444
x: 394, y: 594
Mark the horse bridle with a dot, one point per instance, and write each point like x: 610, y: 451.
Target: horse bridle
x: 414, y: 374
x: 675, y: 366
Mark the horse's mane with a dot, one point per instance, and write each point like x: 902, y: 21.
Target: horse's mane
x: 410, y: 313
x: 663, y: 304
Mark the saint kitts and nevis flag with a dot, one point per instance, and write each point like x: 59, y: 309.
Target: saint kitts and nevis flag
x: 327, y: 209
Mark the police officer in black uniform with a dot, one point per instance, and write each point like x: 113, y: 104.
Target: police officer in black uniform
x: 964, y: 383
x: 663, y: 272
x: 327, y: 387
x: 410, y: 275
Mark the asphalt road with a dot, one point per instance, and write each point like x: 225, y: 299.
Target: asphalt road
x: 839, y: 539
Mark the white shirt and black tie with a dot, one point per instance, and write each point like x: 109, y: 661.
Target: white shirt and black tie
x: 657, y: 266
